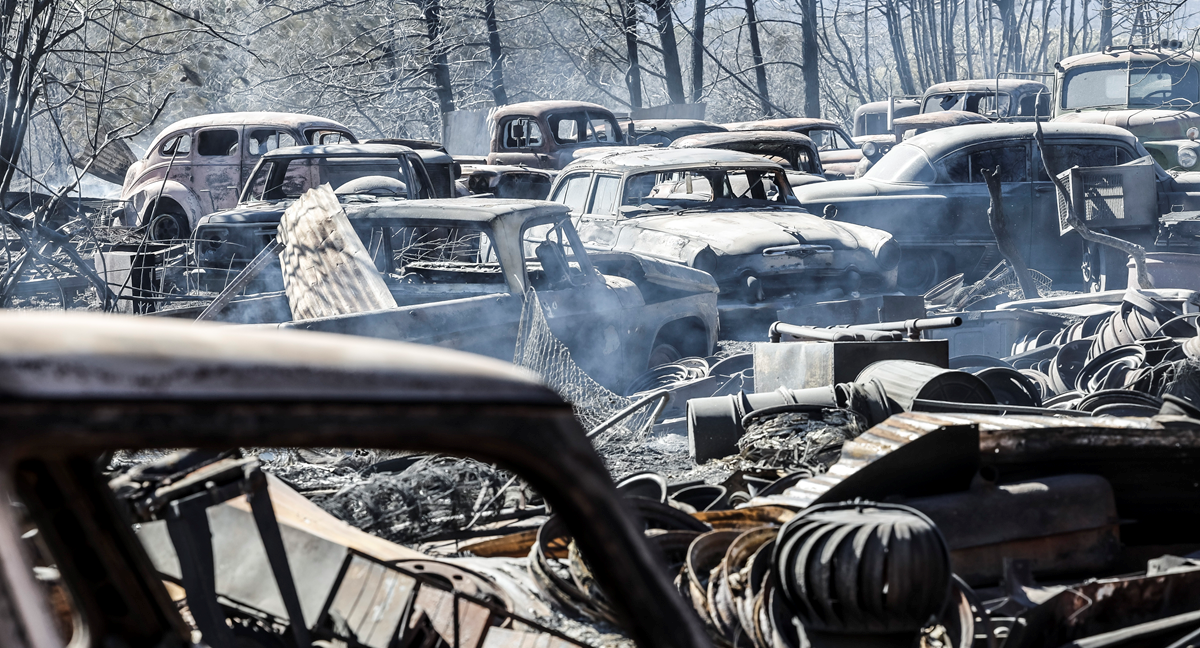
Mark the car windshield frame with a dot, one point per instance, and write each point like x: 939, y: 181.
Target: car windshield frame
x: 1128, y: 72
x: 903, y: 164
x: 777, y: 175
x: 279, y: 165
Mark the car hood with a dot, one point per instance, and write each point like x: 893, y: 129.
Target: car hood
x: 1147, y: 125
x: 734, y: 233
x: 262, y: 212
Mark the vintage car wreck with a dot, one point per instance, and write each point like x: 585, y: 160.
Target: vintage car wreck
x: 1149, y: 91
x: 929, y: 191
x: 661, y: 132
x: 732, y: 215
x: 875, y: 147
x: 549, y: 134
x: 960, y: 529
x: 227, y: 240
x: 872, y: 118
x: 796, y: 152
x: 198, y: 166
x: 995, y: 99
x: 464, y: 274
x: 839, y: 153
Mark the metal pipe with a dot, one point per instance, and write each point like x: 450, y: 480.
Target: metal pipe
x: 662, y: 394
x: 912, y: 328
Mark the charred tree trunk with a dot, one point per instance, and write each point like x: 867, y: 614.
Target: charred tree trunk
x: 633, y: 77
x: 499, y: 94
x: 1106, y: 26
x: 899, y: 52
x: 809, y: 59
x: 867, y: 48
x: 967, y: 38
x: 698, y: 50
x: 670, y: 50
x: 1071, y: 31
x: 431, y: 11
x: 760, y: 71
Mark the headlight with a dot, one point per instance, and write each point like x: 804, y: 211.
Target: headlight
x: 869, y: 149
x: 888, y: 254
x: 1187, y: 157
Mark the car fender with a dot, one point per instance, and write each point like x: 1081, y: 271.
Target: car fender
x: 143, y: 195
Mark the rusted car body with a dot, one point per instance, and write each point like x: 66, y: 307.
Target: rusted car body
x: 929, y: 192
x: 461, y: 271
x: 661, y: 132
x: 144, y: 384
x: 1149, y: 91
x: 227, y: 240
x: 199, y: 165
x: 549, y: 134
x: 996, y: 99
x: 796, y: 152
x: 872, y: 118
x: 730, y: 214
x: 839, y: 153
x: 443, y: 171
x: 875, y: 147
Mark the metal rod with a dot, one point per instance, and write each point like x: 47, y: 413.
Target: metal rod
x: 619, y: 416
x: 251, y: 271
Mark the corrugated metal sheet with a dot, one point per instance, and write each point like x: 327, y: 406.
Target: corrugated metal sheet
x: 326, y: 269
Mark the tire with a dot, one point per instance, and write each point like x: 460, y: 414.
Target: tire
x: 169, y: 226
x: 663, y: 353
x: 918, y: 273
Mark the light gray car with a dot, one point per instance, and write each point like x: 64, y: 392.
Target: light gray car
x: 731, y: 214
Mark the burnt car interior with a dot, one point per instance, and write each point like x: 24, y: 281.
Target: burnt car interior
x: 521, y: 132
x: 730, y: 185
x: 579, y: 127
x: 288, y: 178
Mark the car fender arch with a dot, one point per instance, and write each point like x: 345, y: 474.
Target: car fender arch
x: 144, y: 196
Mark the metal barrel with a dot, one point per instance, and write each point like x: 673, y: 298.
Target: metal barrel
x: 715, y: 423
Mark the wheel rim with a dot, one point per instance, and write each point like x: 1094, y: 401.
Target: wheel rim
x: 166, y: 227
x: 663, y: 354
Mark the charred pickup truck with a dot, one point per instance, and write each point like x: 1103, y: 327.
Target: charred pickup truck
x: 798, y: 153
x: 732, y: 215
x: 839, y: 153
x: 463, y: 273
x: 198, y: 166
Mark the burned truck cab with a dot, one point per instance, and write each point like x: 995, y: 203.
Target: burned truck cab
x: 550, y: 134
x: 1149, y: 91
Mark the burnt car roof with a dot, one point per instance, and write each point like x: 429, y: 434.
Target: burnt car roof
x: 294, y: 120
x: 1129, y: 55
x: 46, y: 355
x: 739, y: 137
x: 506, y: 212
x: 539, y: 108
x: 339, y: 150
x: 942, y: 119
x: 935, y: 143
x: 652, y: 158
x: 882, y: 106
x: 783, y: 124
x: 983, y: 85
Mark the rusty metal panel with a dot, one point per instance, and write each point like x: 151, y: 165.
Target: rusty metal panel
x: 326, y: 269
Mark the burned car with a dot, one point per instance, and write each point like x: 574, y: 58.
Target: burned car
x: 443, y: 171
x: 227, y: 240
x: 875, y: 147
x: 839, y: 153
x: 796, y: 152
x: 730, y: 214
x: 102, y: 550
x: 872, y: 118
x: 930, y: 193
x: 464, y: 273
x: 996, y: 99
x: 549, y: 134
x: 198, y: 166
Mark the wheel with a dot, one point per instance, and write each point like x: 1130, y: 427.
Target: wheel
x: 663, y: 353
x: 918, y: 273
x: 169, y: 227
